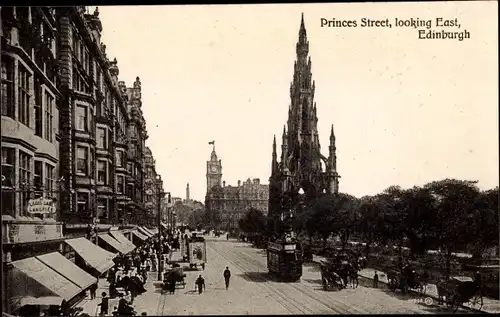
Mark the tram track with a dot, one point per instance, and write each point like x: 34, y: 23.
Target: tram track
x: 339, y: 306
x: 336, y: 303
x: 304, y: 296
x: 277, y: 295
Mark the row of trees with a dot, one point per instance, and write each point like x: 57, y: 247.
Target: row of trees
x: 449, y: 215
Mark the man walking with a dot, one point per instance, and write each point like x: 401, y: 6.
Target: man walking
x: 104, y: 304
x: 227, y: 276
x: 200, y: 282
x: 93, y: 290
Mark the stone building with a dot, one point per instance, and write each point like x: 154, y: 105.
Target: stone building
x: 137, y: 136
x: 94, y: 121
x: 302, y: 166
x: 232, y: 201
x: 30, y: 137
x: 150, y: 193
x: 71, y: 131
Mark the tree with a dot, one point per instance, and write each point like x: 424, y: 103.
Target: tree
x: 420, y: 221
x: 455, y: 206
x: 254, y: 221
x: 369, y: 226
x: 485, y: 222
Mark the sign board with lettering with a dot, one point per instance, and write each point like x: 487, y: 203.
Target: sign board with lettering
x: 41, y: 206
x: 274, y: 246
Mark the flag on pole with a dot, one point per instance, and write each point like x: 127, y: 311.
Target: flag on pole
x: 211, y: 142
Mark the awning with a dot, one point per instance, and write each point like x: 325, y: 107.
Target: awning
x: 149, y: 231
x: 32, y: 278
x: 115, y: 244
x: 143, y: 231
x: 95, y: 256
x: 41, y: 301
x: 140, y: 235
x: 68, y: 269
x: 122, y: 239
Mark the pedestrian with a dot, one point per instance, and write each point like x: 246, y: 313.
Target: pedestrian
x: 200, y: 282
x: 104, y: 304
x: 227, y: 276
x: 93, y: 290
x: 227, y: 236
x: 375, y: 280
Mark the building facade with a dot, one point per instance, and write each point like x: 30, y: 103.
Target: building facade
x: 302, y: 166
x: 232, y: 201
x: 73, y: 135
x: 151, y: 195
x: 30, y: 136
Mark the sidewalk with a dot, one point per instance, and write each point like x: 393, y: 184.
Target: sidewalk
x: 491, y: 306
x: 90, y: 306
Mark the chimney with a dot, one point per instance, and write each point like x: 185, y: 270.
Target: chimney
x: 239, y: 183
x: 223, y: 183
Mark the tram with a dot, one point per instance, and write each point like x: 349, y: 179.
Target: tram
x: 284, y: 259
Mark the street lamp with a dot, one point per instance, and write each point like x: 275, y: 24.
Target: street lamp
x: 161, y: 194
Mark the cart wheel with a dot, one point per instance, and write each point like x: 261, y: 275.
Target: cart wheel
x: 476, y: 302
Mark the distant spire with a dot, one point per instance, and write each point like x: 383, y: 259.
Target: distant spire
x: 274, y: 162
x: 332, y: 136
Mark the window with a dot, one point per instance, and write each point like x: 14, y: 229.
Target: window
x: 82, y: 160
x: 24, y: 179
x: 38, y: 108
x: 49, y: 180
x: 101, y: 138
x: 23, y: 95
x: 120, y: 184
x: 38, y: 178
x: 102, y: 208
x: 82, y: 202
x: 8, y: 174
x: 49, y: 117
x: 7, y: 93
x: 101, y: 172
x: 119, y: 159
x: 81, y: 118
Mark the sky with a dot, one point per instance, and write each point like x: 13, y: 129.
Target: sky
x: 406, y: 111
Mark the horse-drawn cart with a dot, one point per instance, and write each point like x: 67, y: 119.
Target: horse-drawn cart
x: 407, y: 279
x: 329, y: 276
x: 175, y: 275
x: 460, y: 290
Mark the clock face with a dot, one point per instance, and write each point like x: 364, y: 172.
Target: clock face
x: 213, y: 169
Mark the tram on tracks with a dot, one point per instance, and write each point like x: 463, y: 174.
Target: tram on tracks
x: 284, y: 259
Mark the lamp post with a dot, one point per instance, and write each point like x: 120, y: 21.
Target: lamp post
x: 160, y: 195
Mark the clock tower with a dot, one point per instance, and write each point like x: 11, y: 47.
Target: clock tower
x: 214, y: 170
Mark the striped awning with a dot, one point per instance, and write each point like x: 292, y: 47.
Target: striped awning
x: 115, y: 244
x: 122, y: 239
x: 145, y: 232
x: 139, y: 235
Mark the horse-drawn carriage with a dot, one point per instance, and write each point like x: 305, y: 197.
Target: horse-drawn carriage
x: 406, y: 279
x: 174, y: 275
x: 330, y: 277
x: 460, y: 290
x: 339, y: 270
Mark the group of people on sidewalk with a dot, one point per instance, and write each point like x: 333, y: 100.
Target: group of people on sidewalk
x: 130, y: 275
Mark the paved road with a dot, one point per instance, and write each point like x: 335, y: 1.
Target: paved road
x: 253, y: 292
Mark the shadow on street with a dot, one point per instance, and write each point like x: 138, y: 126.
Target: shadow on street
x: 257, y: 277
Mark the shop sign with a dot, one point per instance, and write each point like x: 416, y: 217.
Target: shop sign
x: 41, y: 206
